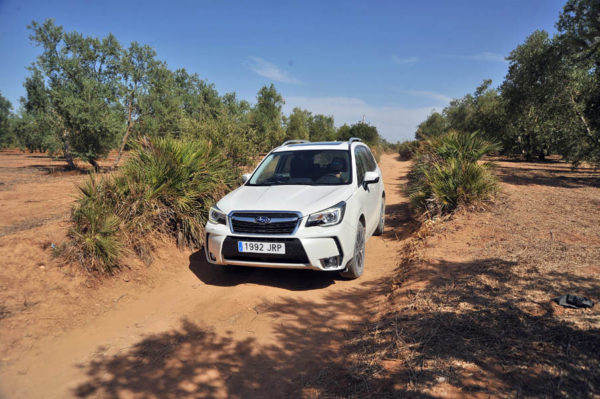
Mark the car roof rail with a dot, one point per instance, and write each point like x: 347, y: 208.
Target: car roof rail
x: 294, y: 142
x: 353, y: 140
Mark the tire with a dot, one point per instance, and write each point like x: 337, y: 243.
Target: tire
x: 381, y: 224
x: 356, y: 265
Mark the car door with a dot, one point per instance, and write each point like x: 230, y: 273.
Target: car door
x: 369, y: 194
x: 375, y: 189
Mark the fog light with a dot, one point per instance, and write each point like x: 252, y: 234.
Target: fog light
x: 333, y: 261
x: 212, y: 256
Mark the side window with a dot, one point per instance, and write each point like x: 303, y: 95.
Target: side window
x: 369, y: 159
x: 360, y: 166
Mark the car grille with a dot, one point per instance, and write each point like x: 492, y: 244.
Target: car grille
x: 276, y: 222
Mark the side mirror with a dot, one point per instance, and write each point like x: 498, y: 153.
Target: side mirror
x: 371, y: 177
x: 246, y: 177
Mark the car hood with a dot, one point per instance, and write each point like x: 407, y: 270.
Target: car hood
x: 303, y: 199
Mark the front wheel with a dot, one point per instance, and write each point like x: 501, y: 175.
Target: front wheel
x: 356, y: 265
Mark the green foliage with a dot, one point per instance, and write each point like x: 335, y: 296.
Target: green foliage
x: 549, y: 102
x: 95, y: 240
x: 165, y: 188
x: 236, y: 110
x: 38, y: 127
x: 6, y: 133
x: 35, y: 127
x: 343, y: 132
x: 549, y: 97
x: 434, y: 125
x: 580, y: 27
x: 321, y: 128
x: 266, y: 118
x: 524, y: 90
x: 490, y: 116
x: 298, y: 125
x: 407, y: 149
x: 363, y: 131
x: 481, y: 111
x: 160, y: 107
x: 38, y: 98
x: 81, y: 72
x: 135, y: 64
x: 388, y: 146
x: 453, y: 183
x: 579, y: 45
x: 303, y: 125
x: 447, y: 173
x: 465, y: 147
x: 235, y: 139
x: 88, y: 95
x: 37, y: 132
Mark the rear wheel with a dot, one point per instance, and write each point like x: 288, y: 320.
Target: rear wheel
x: 354, y: 268
x: 381, y: 224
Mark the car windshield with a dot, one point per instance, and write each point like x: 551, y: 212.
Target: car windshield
x: 306, y: 167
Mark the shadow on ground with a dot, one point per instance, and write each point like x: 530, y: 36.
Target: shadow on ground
x: 194, y: 362
x: 399, y: 224
x: 482, y: 327
x: 230, y: 276
x: 555, y: 174
x: 466, y: 314
x: 60, y: 169
x: 478, y: 326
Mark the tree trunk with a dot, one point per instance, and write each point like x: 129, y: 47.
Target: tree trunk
x: 127, y: 131
x: 67, y: 150
x: 541, y: 155
x: 582, y: 117
x: 528, y: 150
x: 95, y: 165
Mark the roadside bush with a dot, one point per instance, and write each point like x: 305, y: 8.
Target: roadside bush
x: 167, y: 186
x: 164, y: 189
x: 407, y: 149
x: 448, y: 173
x: 94, y: 234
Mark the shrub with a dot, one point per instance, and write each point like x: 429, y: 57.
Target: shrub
x: 407, y: 149
x: 95, y: 241
x: 448, y: 173
x: 165, y: 188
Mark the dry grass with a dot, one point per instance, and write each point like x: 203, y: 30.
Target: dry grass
x: 473, y: 315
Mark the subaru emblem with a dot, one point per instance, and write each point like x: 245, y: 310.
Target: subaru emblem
x: 263, y: 219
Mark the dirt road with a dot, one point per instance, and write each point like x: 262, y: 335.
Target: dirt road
x: 206, y: 332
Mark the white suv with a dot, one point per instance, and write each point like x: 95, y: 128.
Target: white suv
x: 306, y: 206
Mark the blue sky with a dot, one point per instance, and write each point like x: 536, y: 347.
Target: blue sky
x: 392, y: 61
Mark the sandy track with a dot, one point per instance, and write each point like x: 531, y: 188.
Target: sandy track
x: 206, y: 332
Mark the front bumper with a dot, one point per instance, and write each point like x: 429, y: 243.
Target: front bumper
x: 305, y: 249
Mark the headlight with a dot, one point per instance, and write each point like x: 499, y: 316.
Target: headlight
x: 216, y: 216
x: 327, y: 217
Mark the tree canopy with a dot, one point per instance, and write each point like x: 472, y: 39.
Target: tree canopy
x: 86, y: 96
x: 549, y: 101
x: 5, y: 114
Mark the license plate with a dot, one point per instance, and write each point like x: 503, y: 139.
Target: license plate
x: 261, y: 247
